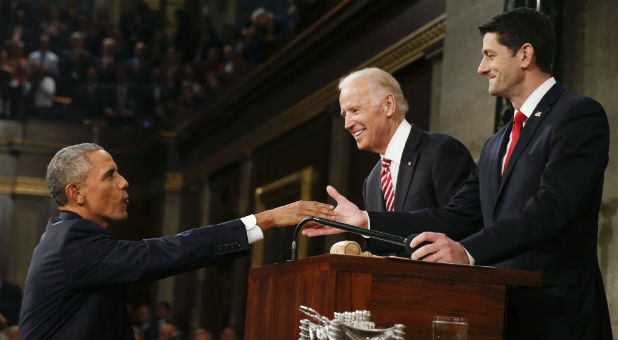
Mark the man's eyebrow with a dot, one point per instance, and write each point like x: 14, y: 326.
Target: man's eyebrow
x: 109, y: 172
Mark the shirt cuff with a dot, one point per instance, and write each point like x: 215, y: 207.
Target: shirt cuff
x: 368, y: 223
x: 254, y: 232
x: 470, y: 258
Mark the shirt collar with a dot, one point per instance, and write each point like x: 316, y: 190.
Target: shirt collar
x: 395, y: 147
x: 533, y: 100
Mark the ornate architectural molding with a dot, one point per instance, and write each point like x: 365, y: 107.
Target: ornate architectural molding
x: 24, y: 186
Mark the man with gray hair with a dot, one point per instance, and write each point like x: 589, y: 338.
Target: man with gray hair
x: 417, y: 169
x: 74, y: 288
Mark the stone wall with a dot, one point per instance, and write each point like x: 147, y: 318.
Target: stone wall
x: 466, y: 110
x: 591, y: 68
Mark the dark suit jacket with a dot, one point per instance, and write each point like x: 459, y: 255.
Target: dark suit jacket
x: 75, y: 284
x: 432, y: 168
x: 541, y: 215
x: 10, y: 300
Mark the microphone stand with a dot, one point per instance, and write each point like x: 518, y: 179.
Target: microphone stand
x: 400, y: 241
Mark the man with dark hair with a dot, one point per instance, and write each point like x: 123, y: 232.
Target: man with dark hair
x: 74, y: 288
x: 532, y: 202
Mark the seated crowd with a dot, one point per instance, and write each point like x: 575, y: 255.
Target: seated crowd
x: 165, y: 328
x: 58, y: 64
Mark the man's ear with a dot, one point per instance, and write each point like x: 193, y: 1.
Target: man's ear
x: 74, y: 195
x: 526, y: 55
x: 389, y: 105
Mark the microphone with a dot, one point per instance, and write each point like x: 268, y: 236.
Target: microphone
x: 394, y: 239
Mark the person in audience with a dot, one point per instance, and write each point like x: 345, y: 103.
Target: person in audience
x: 229, y: 333
x: 166, y: 331
x: 137, y: 333
x: 40, y: 90
x: 139, y: 67
x: 48, y: 59
x: 146, y: 325
x: 15, y: 65
x: 107, y: 62
x: 202, y: 334
x: 73, y: 66
x: 164, y: 312
x: 3, y: 326
x: 12, y: 332
x: 91, y: 98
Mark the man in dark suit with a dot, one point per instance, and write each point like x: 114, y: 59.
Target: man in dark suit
x: 74, y: 288
x: 533, y: 200
x: 417, y: 169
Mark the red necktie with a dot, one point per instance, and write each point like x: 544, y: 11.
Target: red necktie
x: 517, y: 124
x: 387, y: 185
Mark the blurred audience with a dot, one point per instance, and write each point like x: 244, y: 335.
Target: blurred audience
x: 229, y: 333
x: 202, y: 334
x: 145, y: 324
x: 129, y: 74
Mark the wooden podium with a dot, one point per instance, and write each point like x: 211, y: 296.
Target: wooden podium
x: 395, y: 290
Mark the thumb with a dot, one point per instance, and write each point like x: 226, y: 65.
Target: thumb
x: 332, y: 192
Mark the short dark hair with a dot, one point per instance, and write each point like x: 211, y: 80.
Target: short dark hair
x: 524, y: 25
x: 68, y: 166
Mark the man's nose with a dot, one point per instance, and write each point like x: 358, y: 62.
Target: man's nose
x: 349, y: 124
x: 482, y: 67
x: 123, y: 184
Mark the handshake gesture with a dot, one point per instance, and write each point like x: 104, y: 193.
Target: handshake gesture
x: 441, y: 248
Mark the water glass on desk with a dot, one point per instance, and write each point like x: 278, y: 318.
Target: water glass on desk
x: 449, y: 328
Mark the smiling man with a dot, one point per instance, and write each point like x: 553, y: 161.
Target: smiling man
x: 75, y: 284
x: 417, y: 169
x: 532, y: 202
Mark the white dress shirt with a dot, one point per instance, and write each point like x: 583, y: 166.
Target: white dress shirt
x: 526, y: 108
x: 394, y: 151
x: 254, y: 232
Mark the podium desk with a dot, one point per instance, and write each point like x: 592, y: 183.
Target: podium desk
x: 395, y: 290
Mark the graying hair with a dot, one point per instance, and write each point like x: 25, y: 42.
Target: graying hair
x: 383, y: 83
x: 69, y: 166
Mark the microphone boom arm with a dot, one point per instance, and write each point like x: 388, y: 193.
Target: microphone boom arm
x: 401, y: 241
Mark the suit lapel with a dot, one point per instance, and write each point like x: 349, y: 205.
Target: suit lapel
x: 541, y: 111
x: 407, y: 166
x: 375, y: 199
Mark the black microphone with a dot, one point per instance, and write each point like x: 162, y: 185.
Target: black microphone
x: 400, y: 241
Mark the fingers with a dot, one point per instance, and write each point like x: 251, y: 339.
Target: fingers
x: 317, y: 209
x: 442, y: 249
x: 429, y: 252
x: 320, y: 230
x: 332, y: 192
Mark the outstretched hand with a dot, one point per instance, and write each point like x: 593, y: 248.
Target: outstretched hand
x: 293, y: 213
x: 345, y: 212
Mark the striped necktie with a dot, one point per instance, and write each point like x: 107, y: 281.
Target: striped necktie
x: 387, y: 185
